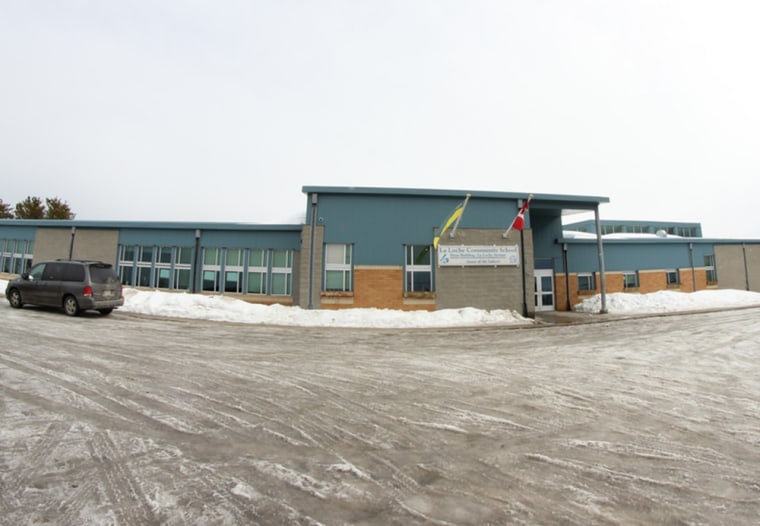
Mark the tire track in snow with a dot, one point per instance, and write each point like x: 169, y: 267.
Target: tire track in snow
x: 122, y: 488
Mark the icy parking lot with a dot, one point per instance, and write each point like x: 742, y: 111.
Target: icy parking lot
x: 134, y: 420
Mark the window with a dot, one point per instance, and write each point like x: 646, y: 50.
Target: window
x: 672, y: 278
x: 211, y: 269
x: 338, y: 267
x: 282, y: 271
x: 233, y: 270
x: 630, y: 280
x: 16, y: 255
x: 419, y: 269
x: 586, y: 282
x: 257, y: 271
x: 712, y: 276
x: 163, y: 268
x: 144, y: 266
x: 126, y: 264
x: 183, y: 258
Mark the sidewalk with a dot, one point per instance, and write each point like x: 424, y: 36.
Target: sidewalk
x: 569, y: 317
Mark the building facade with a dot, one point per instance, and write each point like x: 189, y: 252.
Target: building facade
x: 373, y: 247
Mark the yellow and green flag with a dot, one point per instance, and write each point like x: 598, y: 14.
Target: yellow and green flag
x: 455, y: 215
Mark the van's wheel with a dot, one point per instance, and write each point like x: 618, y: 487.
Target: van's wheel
x: 14, y: 298
x: 70, y: 306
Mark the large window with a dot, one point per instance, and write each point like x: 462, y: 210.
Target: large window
x: 144, y: 266
x: 586, y: 282
x: 257, y: 271
x: 126, y: 264
x: 212, y: 267
x: 163, y: 269
x: 16, y: 255
x: 183, y: 259
x: 233, y: 270
x: 418, y: 268
x: 338, y: 267
x: 282, y: 272
x: 712, y: 276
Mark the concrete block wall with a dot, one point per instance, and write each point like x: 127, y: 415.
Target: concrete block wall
x: 738, y: 266
x: 92, y: 244
x: 301, y: 293
x: 486, y: 287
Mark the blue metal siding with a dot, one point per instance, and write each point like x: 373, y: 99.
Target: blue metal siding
x: 212, y: 238
x: 10, y: 231
x: 379, y: 227
x: 636, y: 255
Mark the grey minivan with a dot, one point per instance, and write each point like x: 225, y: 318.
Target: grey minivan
x: 69, y: 284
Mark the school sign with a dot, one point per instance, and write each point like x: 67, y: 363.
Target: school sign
x: 478, y: 256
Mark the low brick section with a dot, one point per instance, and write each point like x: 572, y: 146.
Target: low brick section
x: 380, y: 287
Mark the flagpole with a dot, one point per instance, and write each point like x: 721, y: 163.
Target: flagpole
x: 456, y: 224
x: 522, y: 257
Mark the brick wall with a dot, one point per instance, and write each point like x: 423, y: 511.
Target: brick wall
x: 649, y: 281
x: 652, y: 281
x: 380, y: 287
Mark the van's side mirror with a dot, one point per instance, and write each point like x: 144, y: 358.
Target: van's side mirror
x: 25, y: 276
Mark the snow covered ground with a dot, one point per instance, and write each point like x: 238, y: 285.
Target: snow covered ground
x: 223, y: 308
x: 141, y: 420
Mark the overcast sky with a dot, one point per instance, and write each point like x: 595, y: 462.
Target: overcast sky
x: 222, y: 110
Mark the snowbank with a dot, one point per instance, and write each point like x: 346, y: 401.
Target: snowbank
x: 223, y: 308
x: 669, y: 301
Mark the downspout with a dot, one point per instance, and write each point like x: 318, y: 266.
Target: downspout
x: 600, y: 247
x: 197, y: 260
x: 71, y: 244
x: 567, y: 275
x: 746, y: 267
x: 693, y: 272
x: 312, y: 240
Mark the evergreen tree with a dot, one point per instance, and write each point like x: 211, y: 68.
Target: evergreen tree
x: 30, y: 208
x: 5, y: 210
x: 57, y: 209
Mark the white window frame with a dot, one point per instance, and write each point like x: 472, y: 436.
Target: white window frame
x: 142, y: 266
x: 215, y: 268
x: 344, y: 266
x: 711, y: 275
x: 286, y: 272
x: 257, y: 267
x: 234, y: 268
x: 163, y: 266
x: 591, y: 279
x: 411, y: 267
x: 180, y: 267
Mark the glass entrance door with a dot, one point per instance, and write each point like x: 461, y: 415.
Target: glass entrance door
x: 544, y: 289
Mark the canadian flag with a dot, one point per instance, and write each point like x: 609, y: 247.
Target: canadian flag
x: 519, y: 222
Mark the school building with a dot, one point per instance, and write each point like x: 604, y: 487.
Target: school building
x: 374, y: 247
